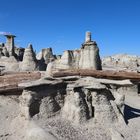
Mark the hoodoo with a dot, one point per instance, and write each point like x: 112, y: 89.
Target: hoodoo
x: 90, y: 58
x: 10, y: 44
x: 29, y: 62
x: 87, y: 57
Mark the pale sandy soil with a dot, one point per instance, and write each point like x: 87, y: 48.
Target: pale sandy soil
x: 15, y: 127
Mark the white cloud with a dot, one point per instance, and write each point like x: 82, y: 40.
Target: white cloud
x: 4, y: 33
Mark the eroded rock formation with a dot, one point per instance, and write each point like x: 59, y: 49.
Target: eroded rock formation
x: 122, y: 62
x: 87, y: 57
x: 67, y: 60
x: 45, y: 54
x: 71, y: 107
x: 81, y: 101
x: 29, y: 62
x: 90, y: 58
x: 15, y: 58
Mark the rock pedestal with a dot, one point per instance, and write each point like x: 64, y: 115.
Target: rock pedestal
x: 77, y: 101
x: 90, y: 58
x: 10, y: 44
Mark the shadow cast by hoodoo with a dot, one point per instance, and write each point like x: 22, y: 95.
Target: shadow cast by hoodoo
x: 130, y: 113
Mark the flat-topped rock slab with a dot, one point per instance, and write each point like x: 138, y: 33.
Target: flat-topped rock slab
x: 40, y: 82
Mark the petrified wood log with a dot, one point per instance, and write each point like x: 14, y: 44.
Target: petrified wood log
x: 9, y: 83
x: 107, y: 74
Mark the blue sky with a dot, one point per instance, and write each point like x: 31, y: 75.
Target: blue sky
x: 61, y: 24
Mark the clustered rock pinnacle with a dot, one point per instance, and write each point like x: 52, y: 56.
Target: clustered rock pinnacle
x: 87, y: 57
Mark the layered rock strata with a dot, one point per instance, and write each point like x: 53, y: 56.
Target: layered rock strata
x: 77, y: 100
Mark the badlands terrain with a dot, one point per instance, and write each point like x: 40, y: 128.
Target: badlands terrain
x: 73, y: 96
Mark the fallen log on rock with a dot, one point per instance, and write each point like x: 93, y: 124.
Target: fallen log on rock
x: 9, y: 83
x: 106, y: 74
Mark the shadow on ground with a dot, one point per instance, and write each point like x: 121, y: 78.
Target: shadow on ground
x: 130, y: 113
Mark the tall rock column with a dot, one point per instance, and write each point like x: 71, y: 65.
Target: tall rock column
x: 90, y: 58
x: 10, y: 44
x: 88, y: 37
